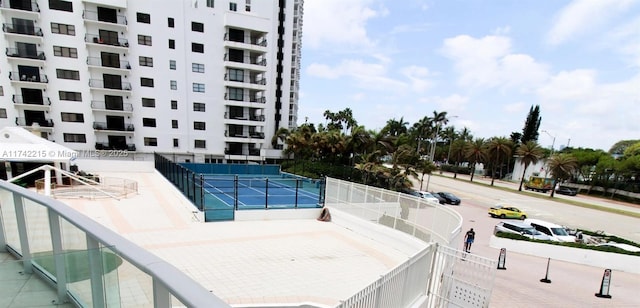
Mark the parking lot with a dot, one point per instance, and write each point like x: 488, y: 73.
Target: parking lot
x: 572, y: 285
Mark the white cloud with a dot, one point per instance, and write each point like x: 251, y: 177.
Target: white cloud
x: 626, y: 40
x: 488, y: 62
x: 517, y: 107
x: 418, y: 77
x: 338, y: 23
x: 581, y: 16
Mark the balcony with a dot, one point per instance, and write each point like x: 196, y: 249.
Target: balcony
x: 247, y: 79
x: 99, y: 126
x: 93, y: 16
x: 20, y: 101
x: 16, y: 76
x: 21, y: 29
x: 257, y: 135
x: 108, y: 41
x: 19, y: 53
x: 245, y: 98
x: 254, y: 60
x: 256, y: 42
x: 100, y: 84
x: 103, y: 106
x: 257, y: 118
x: 28, y: 122
x: 98, y: 62
x: 107, y: 146
x: 24, y: 6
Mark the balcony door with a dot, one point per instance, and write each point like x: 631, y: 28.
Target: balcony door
x: 108, y: 37
x: 34, y: 116
x: 117, y: 142
x: 107, y: 15
x: 110, y: 59
x: 24, y: 5
x: 115, y: 123
x: 32, y: 96
x: 112, y: 81
x: 29, y: 73
x: 23, y: 26
x: 27, y: 50
x: 112, y: 102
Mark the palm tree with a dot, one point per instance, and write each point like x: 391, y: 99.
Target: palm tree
x: 529, y: 152
x: 498, y: 148
x: 457, y: 150
x: 439, y: 119
x: 396, y: 127
x: 280, y: 135
x: 476, y: 152
x: 425, y: 166
x: 561, y: 167
x: 421, y: 128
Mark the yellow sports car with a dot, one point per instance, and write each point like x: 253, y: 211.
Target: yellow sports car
x: 506, y: 211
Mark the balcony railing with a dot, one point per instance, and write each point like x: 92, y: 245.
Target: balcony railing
x: 16, y: 76
x: 247, y: 39
x: 16, y: 5
x: 246, y: 59
x: 244, y: 98
x: 95, y: 61
x: 93, y: 16
x: 247, y: 79
x: 104, y: 126
x: 19, y: 99
x: 41, y: 122
x: 97, y: 39
x: 21, y: 29
x: 259, y: 118
x: 97, y: 83
x: 18, y: 53
x: 102, y: 105
x: 107, y: 146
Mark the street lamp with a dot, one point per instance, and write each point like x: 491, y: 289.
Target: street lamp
x: 554, y: 139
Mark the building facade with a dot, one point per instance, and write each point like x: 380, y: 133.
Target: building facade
x: 212, y: 80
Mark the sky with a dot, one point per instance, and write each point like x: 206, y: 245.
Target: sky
x: 485, y: 63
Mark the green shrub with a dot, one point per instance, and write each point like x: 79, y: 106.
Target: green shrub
x: 519, y: 237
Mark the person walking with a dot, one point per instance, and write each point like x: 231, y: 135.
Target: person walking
x: 468, y: 240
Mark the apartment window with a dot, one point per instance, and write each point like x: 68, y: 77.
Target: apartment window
x: 247, y: 6
x: 170, y: 22
x: 146, y: 82
x: 148, y: 122
x: 151, y: 141
x: 197, y: 26
x: 235, y: 94
x: 197, y: 47
x: 233, y: 6
x: 210, y: 3
x: 200, y: 144
x: 67, y: 74
x: 60, y: 5
x: 172, y: 64
x: 72, y: 117
x: 174, y: 105
x: 66, y: 52
x: 3, y: 113
x: 198, y: 107
x: 172, y: 44
x: 197, y: 67
x: 173, y: 84
x: 63, y: 29
x: 1, y: 91
x: 148, y: 102
x: 74, y: 138
x: 199, y: 125
x: 144, y: 40
x: 236, y: 74
x: 145, y: 61
x: 174, y: 123
x: 143, y: 18
x: 70, y: 96
x: 175, y: 142
x: 198, y: 87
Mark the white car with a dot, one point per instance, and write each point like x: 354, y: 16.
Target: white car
x: 428, y: 197
x: 556, y: 232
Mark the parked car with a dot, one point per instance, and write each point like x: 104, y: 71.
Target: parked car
x: 428, y: 197
x: 518, y: 227
x: 440, y: 198
x: 450, y: 198
x: 557, y: 232
x: 563, y: 190
x: 506, y: 211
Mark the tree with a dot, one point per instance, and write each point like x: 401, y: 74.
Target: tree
x: 395, y: 127
x: 425, y: 166
x: 621, y: 146
x: 476, y: 152
x: 280, y: 135
x: 561, y: 167
x: 529, y: 153
x: 498, y: 148
x: 531, y: 125
x: 457, y: 154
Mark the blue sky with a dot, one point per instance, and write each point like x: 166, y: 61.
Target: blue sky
x: 483, y: 62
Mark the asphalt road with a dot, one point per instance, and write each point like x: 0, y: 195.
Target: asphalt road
x: 572, y: 285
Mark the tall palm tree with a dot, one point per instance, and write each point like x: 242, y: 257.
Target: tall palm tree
x: 425, y: 166
x: 396, y: 127
x: 280, y: 135
x: 529, y: 152
x: 457, y: 150
x: 439, y: 119
x: 476, y: 152
x: 421, y: 128
x: 499, y: 148
x: 561, y: 167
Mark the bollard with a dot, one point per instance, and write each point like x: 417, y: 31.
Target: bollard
x: 502, y: 259
x: 604, y: 285
x: 546, y: 276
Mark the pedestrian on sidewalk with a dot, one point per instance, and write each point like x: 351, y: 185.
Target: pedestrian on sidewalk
x: 468, y: 240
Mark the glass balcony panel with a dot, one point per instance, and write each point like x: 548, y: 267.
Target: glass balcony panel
x: 9, y: 220
x: 38, y: 231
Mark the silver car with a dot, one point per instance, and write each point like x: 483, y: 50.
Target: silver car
x: 519, y: 227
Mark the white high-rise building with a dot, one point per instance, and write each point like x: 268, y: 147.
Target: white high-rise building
x: 207, y: 80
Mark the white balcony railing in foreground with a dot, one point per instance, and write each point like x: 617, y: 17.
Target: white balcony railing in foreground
x: 88, y: 263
